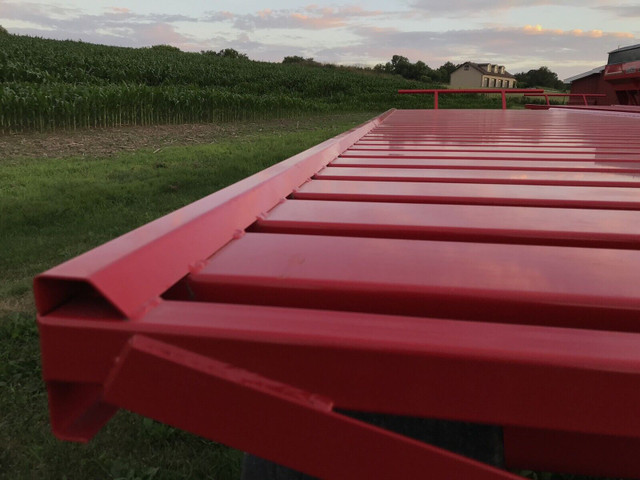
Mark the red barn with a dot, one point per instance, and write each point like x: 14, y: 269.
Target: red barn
x: 619, y: 80
x: 593, y: 82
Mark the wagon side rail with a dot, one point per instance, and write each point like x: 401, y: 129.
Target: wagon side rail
x: 445, y: 91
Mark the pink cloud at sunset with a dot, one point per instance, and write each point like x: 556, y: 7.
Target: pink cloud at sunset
x: 160, y: 33
x: 538, y: 30
x: 317, y: 22
x: 120, y: 10
x: 315, y: 17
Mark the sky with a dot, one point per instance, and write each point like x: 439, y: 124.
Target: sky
x: 569, y: 37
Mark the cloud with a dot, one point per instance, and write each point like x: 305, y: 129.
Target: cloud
x: 466, y: 8
x: 45, y: 14
x: 116, y: 26
x: 160, y: 33
x: 322, y: 22
x: 310, y: 17
x: 215, y: 17
x: 566, y: 52
x: 36, y: 13
x: 622, y: 11
x: 458, y: 8
x: 538, y: 30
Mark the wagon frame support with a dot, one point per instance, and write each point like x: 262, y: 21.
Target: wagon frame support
x: 127, y: 325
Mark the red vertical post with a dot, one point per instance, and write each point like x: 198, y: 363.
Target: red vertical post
x: 504, y: 100
x: 584, y: 98
x: 546, y: 97
x: 435, y: 100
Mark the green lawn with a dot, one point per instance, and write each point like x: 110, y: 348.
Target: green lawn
x: 54, y: 209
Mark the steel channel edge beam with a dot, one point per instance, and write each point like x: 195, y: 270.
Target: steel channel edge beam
x: 191, y: 234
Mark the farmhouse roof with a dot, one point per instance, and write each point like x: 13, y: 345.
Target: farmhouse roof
x: 481, y: 67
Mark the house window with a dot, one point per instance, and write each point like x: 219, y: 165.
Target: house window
x: 466, y: 67
x: 486, y: 81
x: 506, y: 84
x: 493, y: 82
x: 500, y: 83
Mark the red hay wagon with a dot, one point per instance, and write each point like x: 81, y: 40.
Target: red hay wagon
x: 480, y: 266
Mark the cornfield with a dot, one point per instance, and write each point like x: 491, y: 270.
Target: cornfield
x: 50, y: 84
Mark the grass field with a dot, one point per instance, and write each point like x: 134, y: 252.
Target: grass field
x: 52, y: 209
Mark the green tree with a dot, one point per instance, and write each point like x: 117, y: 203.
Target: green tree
x: 401, y: 65
x: 165, y: 48
x: 3, y: 31
x: 541, y: 77
x: 412, y: 71
x: 232, y: 53
x: 225, y: 52
x: 300, y: 60
x: 383, y: 68
x: 444, y: 72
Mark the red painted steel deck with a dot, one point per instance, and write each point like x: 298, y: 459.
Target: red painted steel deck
x: 481, y: 266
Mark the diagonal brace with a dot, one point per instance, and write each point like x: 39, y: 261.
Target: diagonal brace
x: 270, y: 419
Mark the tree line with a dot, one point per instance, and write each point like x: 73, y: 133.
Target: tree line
x: 399, y: 65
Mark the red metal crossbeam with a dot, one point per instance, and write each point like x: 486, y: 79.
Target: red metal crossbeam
x: 418, y: 265
x: 522, y: 177
x: 516, y: 225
